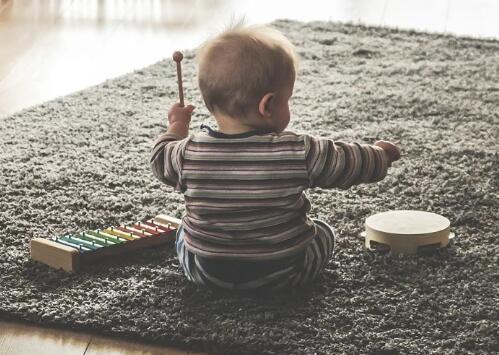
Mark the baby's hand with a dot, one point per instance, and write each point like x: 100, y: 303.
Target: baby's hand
x: 391, y: 150
x: 180, y: 114
x: 179, y: 118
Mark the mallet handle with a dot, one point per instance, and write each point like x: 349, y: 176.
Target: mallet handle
x: 177, y: 57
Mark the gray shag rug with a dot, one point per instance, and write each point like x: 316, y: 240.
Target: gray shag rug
x: 81, y: 162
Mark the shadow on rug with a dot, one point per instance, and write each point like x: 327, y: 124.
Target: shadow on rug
x: 81, y: 162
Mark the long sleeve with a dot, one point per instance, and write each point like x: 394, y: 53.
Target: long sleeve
x: 338, y: 164
x: 166, y: 159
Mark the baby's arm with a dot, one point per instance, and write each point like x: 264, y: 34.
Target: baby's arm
x: 165, y: 154
x: 338, y: 164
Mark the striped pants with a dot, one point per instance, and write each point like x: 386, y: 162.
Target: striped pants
x: 294, y: 272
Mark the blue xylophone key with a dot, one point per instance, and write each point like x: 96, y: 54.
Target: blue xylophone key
x: 70, y: 243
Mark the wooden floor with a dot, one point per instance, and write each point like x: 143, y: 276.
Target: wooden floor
x: 22, y: 339
x: 50, y: 48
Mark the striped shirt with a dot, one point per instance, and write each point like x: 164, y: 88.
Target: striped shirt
x: 244, y: 193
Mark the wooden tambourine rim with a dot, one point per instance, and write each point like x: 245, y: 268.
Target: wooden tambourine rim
x: 378, y: 219
x: 451, y: 235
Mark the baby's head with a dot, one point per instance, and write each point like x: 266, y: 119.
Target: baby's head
x: 246, y: 75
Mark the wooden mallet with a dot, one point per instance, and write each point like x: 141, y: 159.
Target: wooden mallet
x: 177, y: 57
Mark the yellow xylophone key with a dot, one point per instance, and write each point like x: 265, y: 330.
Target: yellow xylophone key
x: 120, y: 234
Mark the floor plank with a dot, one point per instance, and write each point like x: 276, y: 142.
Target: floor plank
x: 477, y: 18
x: 365, y: 11
x: 22, y: 339
x: 27, y: 339
x: 425, y: 15
x: 106, y: 346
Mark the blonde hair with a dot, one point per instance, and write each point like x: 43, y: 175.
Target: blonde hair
x: 240, y: 65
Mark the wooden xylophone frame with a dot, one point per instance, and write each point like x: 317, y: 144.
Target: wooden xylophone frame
x: 73, y: 252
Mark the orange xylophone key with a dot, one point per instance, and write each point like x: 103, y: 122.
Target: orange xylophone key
x: 145, y: 227
x: 133, y: 231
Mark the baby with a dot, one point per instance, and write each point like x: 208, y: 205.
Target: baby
x: 246, y: 225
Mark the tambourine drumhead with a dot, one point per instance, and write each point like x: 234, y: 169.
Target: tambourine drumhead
x: 407, y: 222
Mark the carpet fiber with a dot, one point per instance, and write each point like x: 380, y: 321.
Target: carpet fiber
x: 81, y: 162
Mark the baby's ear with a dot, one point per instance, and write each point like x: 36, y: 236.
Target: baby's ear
x: 265, y: 105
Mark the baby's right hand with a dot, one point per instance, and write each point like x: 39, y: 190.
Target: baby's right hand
x: 180, y: 114
x: 391, y: 150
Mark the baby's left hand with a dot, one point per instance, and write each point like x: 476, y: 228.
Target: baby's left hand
x: 391, y: 150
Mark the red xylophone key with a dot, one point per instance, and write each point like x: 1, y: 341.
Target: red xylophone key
x: 162, y: 228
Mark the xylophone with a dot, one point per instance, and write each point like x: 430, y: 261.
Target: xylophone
x: 74, y: 251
